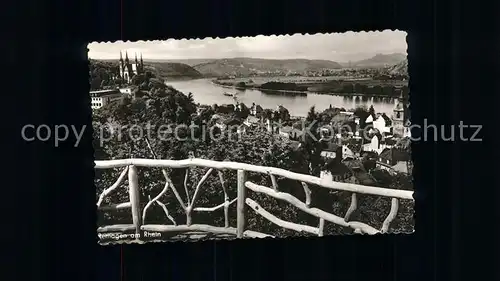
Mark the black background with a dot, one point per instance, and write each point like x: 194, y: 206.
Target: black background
x: 49, y: 220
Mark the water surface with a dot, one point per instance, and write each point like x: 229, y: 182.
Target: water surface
x: 205, y: 92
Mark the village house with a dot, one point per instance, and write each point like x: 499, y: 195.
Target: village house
x: 394, y: 159
x: 290, y: 132
x: 374, y: 144
x: 331, y: 150
x: 127, y: 90
x: 223, y: 123
x: 340, y: 119
x: 104, y: 97
x: 382, y: 123
x: 369, y: 120
x: 202, y: 108
x: 347, y: 153
x: 251, y: 121
x: 325, y: 132
x: 270, y: 126
x: 255, y: 109
x: 390, y: 140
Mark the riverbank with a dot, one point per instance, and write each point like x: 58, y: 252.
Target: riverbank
x: 344, y: 88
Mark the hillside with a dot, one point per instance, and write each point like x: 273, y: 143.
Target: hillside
x: 380, y: 60
x: 160, y: 68
x: 190, y: 62
x: 172, y: 70
x: 249, y: 66
x: 399, y: 69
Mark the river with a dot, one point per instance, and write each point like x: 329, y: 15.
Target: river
x: 205, y: 92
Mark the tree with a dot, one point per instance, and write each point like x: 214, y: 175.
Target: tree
x: 243, y: 112
x: 282, y: 114
x: 266, y: 114
x: 312, y: 115
x: 371, y: 110
x: 125, y: 100
x: 190, y: 97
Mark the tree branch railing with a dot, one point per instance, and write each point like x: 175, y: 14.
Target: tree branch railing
x: 241, y: 200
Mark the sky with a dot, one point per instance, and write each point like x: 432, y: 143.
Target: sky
x: 340, y: 47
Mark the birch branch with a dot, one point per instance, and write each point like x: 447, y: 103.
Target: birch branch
x: 107, y: 191
x: 307, y: 191
x: 112, y: 207
x: 165, y: 210
x: 185, y: 186
x: 226, y: 199
x: 273, y: 181
x: 312, y: 211
x: 198, y: 187
x: 215, y: 208
x: 391, y: 216
x: 151, y: 202
x: 321, y: 227
x: 352, y: 207
x: 167, y: 178
x: 285, y: 224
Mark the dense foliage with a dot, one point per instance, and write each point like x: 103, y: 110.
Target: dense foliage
x: 282, y: 86
x: 103, y: 74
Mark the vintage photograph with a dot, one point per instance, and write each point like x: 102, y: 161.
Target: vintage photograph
x: 251, y: 137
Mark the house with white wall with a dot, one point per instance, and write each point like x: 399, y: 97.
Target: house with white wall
x: 103, y: 97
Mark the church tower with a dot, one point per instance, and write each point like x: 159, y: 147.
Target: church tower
x: 128, y: 69
x: 122, y: 66
x: 399, y: 117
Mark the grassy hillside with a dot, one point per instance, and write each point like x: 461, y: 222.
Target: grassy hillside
x: 248, y: 66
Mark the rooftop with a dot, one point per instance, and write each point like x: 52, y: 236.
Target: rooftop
x: 252, y: 119
x: 100, y: 93
x: 395, y: 155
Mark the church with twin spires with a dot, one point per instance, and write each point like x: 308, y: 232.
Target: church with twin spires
x: 128, y: 69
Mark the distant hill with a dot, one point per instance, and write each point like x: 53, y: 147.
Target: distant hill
x: 190, y: 62
x: 247, y: 66
x: 380, y: 60
x: 172, y: 70
x: 400, y: 68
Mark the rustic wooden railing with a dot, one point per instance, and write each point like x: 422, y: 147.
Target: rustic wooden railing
x: 138, y: 215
